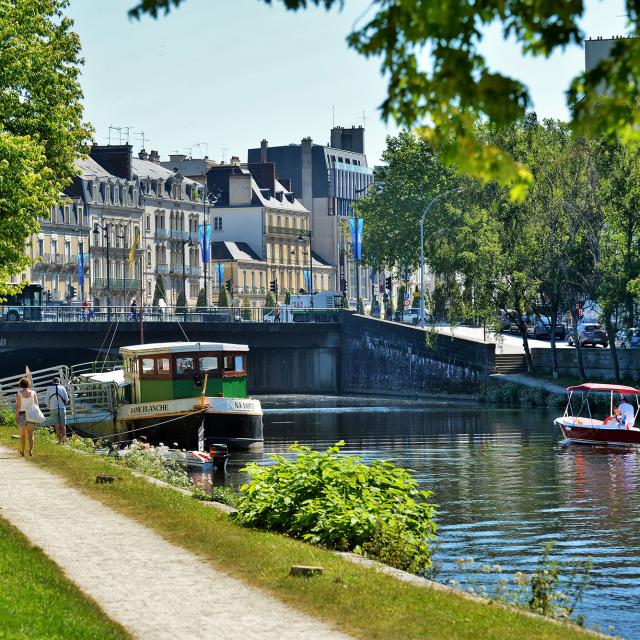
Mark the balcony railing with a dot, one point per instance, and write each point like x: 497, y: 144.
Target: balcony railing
x: 162, y: 268
x: 194, y: 235
x: 194, y: 270
x: 177, y: 234
x: 283, y: 231
x: 117, y: 284
x: 161, y: 233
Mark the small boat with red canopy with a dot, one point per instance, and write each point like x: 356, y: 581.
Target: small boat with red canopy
x: 618, y: 428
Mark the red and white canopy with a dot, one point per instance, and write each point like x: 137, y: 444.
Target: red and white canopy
x: 596, y: 386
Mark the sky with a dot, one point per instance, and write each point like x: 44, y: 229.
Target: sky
x: 215, y: 77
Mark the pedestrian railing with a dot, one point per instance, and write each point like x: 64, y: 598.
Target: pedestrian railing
x: 73, y: 313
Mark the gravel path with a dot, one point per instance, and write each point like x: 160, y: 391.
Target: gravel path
x: 154, y: 589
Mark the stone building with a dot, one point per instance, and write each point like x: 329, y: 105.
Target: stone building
x: 257, y: 209
x: 327, y: 180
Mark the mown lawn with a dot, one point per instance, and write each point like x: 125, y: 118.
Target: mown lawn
x: 359, y: 601
x: 37, y: 601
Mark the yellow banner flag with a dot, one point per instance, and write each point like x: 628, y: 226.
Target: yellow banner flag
x: 134, y: 246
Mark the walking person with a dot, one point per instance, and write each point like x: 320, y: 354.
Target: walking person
x: 58, y: 398
x: 26, y: 400
x: 134, y: 310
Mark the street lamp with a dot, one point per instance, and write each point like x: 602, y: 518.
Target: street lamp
x: 438, y: 197
x: 304, y: 235
x: 211, y: 199
x: 105, y: 228
x: 184, y: 278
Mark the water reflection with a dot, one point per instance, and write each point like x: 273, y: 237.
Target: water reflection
x: 503, y: 482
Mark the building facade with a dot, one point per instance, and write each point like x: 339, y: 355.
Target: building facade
x: 255, y: 208
x: 327, y: 180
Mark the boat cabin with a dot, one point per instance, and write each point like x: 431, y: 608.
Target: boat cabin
x: 174, y: 370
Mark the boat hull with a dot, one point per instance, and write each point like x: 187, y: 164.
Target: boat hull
x: 594, y: 434
x: 189, y: 423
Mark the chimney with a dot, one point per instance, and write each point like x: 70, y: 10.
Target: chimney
x: 235, y: 161
x: 143, y: 155
x: 154, y: 156
x: 264, y: 146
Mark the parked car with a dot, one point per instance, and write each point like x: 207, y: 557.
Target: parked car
x: 409, y: 316
x: 542, y: 329
x: 589, y: 333
x: 505, y: 320
x: 628, y: 338
x: 529, y: 322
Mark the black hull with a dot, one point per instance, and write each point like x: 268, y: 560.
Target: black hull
x: 236, y: 431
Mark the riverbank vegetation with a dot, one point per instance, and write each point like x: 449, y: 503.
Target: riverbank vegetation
x: 518, y: 395
x: 38, y: 601
x: 571, y: 242
x: 360, y: 601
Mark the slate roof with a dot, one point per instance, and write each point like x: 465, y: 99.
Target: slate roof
x: 89, y: 168
x: 146, y: 168
x: 233, y: 251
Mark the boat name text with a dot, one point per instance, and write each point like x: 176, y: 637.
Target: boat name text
x: 148, y: 408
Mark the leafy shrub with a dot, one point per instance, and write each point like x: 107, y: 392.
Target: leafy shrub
x: 7, y: 416
x: 340, y: 503
x: 553, y: 589
x: 225, y: 495
x: 516, y: 395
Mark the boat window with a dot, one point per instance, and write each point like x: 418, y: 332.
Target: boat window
x: 239, y: 363
x: 228, y: 363
x: 148, y: 366
x: 134, y: 365
x: 208, y: 364
x: 184, y: 367
x: 164, y: 366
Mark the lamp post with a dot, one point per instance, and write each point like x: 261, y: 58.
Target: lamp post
x: 304, y: 235
x: 184, y: 279
x: 105, y: 228
x: 438, y: 197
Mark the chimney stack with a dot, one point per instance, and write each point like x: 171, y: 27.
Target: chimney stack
x: 143, y: 155
x: 154, y: 156
x: 264, y: 145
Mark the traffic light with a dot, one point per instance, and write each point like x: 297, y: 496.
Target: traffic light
x: 229, y: 285
x: 48, y: 295
x: 273, y: 286
x: 72, y: 291
x: 387, y: 283
x: 343, y: 285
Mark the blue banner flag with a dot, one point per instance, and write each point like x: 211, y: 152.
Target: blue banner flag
x: 82, y: 263
x: 356, y: 225
x: 204, y: 232
x: 307, y: 280
x: 220, y: 273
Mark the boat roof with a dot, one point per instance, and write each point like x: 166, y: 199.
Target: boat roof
x: 596, y: 386
x: 179, y: 347
x: 116, y: 375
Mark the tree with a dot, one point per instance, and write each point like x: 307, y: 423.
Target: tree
x: 159, y: 291
x: 41, y: 129
x: 223, y: 297
x: 360, y: 306
x: 200, y: 302
x: 456, y: 88
x: 269, y: 301
x: 181, y: 300
x: 400, y: 299
x: 246, y: 309
x: 287, y: 297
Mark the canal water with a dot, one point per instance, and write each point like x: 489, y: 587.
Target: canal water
x: 503, y: 482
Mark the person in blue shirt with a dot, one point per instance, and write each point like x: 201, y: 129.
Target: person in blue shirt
x: 57, y: 399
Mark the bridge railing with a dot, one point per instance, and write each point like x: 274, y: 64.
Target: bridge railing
x: 73, y: 313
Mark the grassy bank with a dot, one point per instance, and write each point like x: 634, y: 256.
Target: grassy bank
x: 362, y: 602
x: 38, y: 601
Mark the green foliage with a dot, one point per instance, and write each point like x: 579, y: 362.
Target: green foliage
x: 516, y: 395
x: 7, y: 416
x: 224, y: 495
x: 360, y: 306
x: 553, y: 589
x: 181, y: 300
x: 41, y: 129
x: 287, y: 297
x: 339, y: 502
x: 200, y: 302
x: 159, y: 291
x: 247, y: 309
x: 400, y: 298
x: 270, y: 301
x: 223, y: 297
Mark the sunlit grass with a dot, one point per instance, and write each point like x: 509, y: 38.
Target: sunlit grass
x: 360, y: 601
x: 38, y: 602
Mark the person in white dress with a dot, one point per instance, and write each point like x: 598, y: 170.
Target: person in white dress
x: 626, y: 410
x: 24, y: 399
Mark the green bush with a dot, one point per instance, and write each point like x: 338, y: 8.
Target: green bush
x: 340, y: 503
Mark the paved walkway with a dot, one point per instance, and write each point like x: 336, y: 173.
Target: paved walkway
x: 154, y: 589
